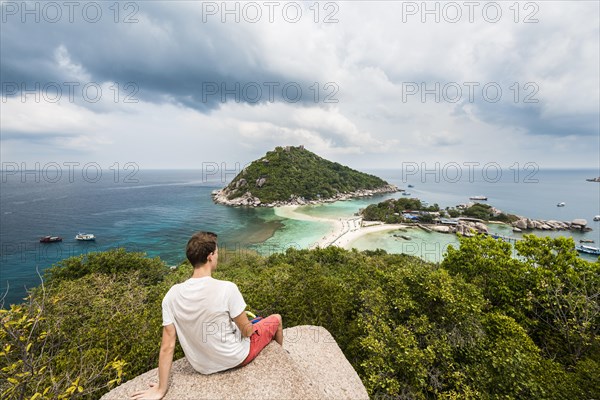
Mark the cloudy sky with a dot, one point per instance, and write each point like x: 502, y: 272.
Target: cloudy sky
x: 368, y: 84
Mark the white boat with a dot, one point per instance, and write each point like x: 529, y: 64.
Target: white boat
x: 588, y: 250
x: 85, y: 237
x: 597, y: 218
x: 561, y: 204
x: 482, y: 198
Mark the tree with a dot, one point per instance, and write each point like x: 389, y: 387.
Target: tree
x: 488, y: 264
x: 563, y: 298
x: 38, y: 360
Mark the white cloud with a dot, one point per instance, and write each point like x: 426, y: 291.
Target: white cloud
x: 369, y: 54
x: 72, y: 71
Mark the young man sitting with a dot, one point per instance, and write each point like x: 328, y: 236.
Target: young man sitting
x: 208, y: 316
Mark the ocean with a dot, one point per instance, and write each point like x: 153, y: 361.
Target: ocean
x: 157, y: 212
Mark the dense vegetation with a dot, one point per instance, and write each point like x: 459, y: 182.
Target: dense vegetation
x: 482, y: 324
x: 485, y: 212
x: 390, y: 211
x: 295, y: 171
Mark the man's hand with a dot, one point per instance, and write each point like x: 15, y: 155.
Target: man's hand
x: 165, y: 360
x: 150, y: 394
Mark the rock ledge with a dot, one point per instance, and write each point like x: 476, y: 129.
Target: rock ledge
x: 310, y: 365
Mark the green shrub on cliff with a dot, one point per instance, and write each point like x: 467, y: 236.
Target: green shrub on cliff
x: 480, y: 325
x: 94, y: 322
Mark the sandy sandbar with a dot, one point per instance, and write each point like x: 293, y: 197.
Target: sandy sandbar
x: 343, y: 231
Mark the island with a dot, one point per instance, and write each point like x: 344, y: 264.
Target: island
x: 464, y: 219
x: 293, y: 175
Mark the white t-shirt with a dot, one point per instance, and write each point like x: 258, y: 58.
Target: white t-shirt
x: 202, y: 310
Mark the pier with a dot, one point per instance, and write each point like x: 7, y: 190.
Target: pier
x: 508, y: 239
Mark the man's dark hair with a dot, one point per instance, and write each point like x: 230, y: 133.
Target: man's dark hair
x: 200, y: 245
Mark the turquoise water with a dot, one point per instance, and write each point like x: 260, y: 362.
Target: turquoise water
x: 294, y: 233
x: 428, y: 245
x: 535, y: 197
x: 156, y: 215
x: 159, y: 212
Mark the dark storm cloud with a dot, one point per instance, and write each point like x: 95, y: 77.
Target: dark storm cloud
x: 169, y: 54
x: 531, y: 119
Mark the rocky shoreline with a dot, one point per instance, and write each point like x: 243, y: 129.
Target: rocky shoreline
x: 463, y: 227
x: 550, y: 225
x: 471, y: 226
x: 249, y: 200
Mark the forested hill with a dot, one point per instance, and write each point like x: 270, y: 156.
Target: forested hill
x: 295, y: 175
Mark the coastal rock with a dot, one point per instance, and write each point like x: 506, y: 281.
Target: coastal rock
x: 555, y: 225
x: 481, y: 227
x: 260, y: 182
x: 240, y: 183
x: 309, y: 366
x: 465, y: 230
x: 521, y: 224
x: 221, y: 197
x: 579, y: 222
x: 526, y: 223
x: 441, y: 229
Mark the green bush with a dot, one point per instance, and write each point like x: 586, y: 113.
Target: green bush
x: 482, y: 324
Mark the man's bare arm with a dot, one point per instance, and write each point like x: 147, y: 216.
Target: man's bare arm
x: 244, y: 324
x: 165, y: 360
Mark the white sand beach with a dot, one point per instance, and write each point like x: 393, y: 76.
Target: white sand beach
x: 345, y: 240
x: 343, y: 232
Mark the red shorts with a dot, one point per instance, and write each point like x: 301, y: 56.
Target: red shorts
x: 264, y: 331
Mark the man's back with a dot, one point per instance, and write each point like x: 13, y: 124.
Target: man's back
x: 202, y: 310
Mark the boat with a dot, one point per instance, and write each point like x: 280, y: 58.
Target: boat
x: 405, y: 194
x: 597, y: 218
x: 411, y: 186
x: 588, y: 250
x: 482, y: 198
x: 561, y: 204
x: 85, y: 237
x: 586, y: 241
x: 50, y: 239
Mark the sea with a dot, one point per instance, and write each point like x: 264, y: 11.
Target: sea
x: 156, y: 211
